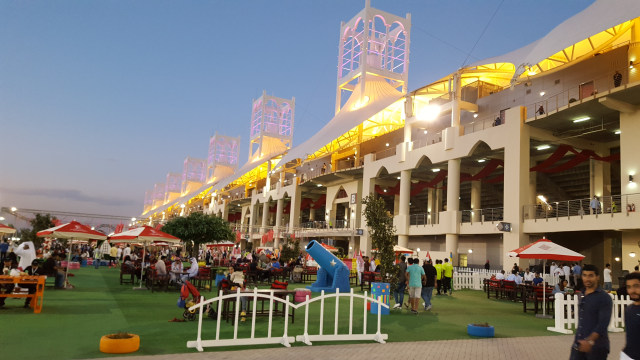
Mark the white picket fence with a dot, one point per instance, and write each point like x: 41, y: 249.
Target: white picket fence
x: 474, y: 280
x: 567, y: 309
x: 285, y: 339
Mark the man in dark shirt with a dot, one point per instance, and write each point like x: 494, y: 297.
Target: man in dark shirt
x: 398, y: 293
x: 430, y: 282
x: 632, y: 316
x: 592, y: 340
x: 50, y: 268
x: 34, y: 270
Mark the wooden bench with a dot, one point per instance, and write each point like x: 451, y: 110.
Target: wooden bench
x: 369, y: 277
x: 36, y: 298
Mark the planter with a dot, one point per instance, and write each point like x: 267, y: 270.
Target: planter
x: 119, y: 346
x: 480, y: 331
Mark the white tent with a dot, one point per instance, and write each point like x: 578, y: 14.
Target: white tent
x: 378, y: 96
x: 599, y: 16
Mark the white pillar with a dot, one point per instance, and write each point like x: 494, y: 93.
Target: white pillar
x: 265, y: 216
x: 402, y: 224
x: 453, y: 206
x: 476, y: 206
x: 279, y: 208
x: 294, y: 212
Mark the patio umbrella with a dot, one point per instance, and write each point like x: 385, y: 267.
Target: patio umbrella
x: 4, y: 229
x: 73, y: 231
x: 145, y: 235
x: 545, y: 249
x: 222, y: 244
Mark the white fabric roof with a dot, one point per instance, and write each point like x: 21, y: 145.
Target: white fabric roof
x: 380, y: 94
x: 599, y: 16
x: 243, y: 170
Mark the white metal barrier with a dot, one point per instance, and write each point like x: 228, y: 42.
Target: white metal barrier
x: 471, y: 280
x: 566, y: 313
x: 285, y: 339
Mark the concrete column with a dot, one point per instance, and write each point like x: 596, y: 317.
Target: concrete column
x: 438, y: 205
x: 294, y: 213
x: 630, y: 165
x: 530, y: 210
x: 430, y: 205
x: 516, y: 180
x: 402, y: 223
x: 634, y: 52
x: 476, y: 188
x: 368, y: 186
x: 453, y: 206
x: 265, y: 217
x: 225, y: 210
x: 279, y: 208
x: 312, y: 214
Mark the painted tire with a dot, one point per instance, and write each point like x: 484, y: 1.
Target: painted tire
x: 119, y: 346
x: 480, y: 331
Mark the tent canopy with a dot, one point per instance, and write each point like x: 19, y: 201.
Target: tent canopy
x: 545, y: 249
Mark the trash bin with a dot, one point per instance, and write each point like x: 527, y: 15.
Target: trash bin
x: 380, y: 291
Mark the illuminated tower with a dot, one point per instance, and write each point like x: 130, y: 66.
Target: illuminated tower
x: 193, y: 174
x: 271, y: 126
x: 158, y: 194
x: 375, y: 43
x: 172, y: 187
x: 148, y: 200
x: 223, y: 157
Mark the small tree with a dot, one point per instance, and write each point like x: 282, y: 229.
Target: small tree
x: 39, y: 223
x: 290, y: 249
x: 197, y: 229
x: 382, y: 232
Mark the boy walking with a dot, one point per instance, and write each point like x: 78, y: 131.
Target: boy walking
x: 415, y: 277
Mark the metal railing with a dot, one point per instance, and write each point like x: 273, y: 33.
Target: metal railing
x: 429, y: 139
x: 391, y: 151
x: 485, y: 123
x: 422, y: 219
x: 482, y: 215
x: 611, y: 205
x: 576, y: 94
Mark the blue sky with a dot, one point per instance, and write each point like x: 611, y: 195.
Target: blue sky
x: 99, y: 100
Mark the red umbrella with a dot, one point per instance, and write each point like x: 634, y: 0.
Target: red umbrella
x: 545, y: 249
x: 4, y: 229
x: 74, y: 231
x: 146, y: 235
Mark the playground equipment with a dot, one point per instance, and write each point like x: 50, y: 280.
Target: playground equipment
x: 333, y: 273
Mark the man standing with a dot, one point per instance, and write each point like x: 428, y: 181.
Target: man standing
x: 632, y: 317
x: 127, y: 251
x: 592, y: 340
x: 608, y: 283
x: 576, y: 274
x: 113, y: 255
x: 447, y: 271
x: 398, y: 294
x: 438, y: 267
x: 4, y: 247
x: 415, y: 277
x: 430, y: 281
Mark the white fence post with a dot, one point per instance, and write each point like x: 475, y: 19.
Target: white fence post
x: 560, y: 306
x: 567, y: 309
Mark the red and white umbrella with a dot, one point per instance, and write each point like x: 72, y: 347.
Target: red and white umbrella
x: 545, y: 249
x: 222, y: 244
x: 74, y: 231
x: 146, y: 235
x: 4, y: 229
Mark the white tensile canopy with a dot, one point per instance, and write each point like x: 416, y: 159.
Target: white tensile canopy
x: 380, y: 95
x: 599, y: 16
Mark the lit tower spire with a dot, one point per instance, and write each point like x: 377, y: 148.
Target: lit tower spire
x: 271, y: 126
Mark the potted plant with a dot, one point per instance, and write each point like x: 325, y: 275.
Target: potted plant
x: 481, y: 330
x: 119, y: 343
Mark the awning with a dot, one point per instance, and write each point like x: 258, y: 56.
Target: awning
x: 378, y: 96
x: 598, y: 17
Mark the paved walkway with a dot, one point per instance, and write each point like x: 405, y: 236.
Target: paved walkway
x: 543, y: 347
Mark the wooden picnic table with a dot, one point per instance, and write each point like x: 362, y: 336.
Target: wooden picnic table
x: 229, y: 305
x: 37, y: 281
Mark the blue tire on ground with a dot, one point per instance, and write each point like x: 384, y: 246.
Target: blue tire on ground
x: 480, y: 331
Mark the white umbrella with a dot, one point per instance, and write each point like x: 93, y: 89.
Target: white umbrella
x: 545, y: 249
x: 145, y: 235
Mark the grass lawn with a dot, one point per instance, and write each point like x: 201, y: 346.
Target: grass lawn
x: 72, y: 321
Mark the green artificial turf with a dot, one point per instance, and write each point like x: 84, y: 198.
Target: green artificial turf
x: 72, y: 321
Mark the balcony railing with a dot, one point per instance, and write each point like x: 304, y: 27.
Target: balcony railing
x: 429, y: 139
x: 421, y: 219
x: 482, y: 215
x: 384, y: 153
x: 606, y: 205
x: 482, y: 124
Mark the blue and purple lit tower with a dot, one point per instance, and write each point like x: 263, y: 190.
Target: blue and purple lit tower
x: 374, y: 43
x: 193, y: 174
x: 271, y: 126
x: 222, y: 160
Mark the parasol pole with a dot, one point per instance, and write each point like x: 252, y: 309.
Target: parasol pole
x: 544, y: 295
x: 66, y: 273
x: 144, y: 248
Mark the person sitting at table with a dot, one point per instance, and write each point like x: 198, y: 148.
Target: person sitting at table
x: 528, y: 276
x: 560, y: 287
x: 176, y: 270
x: 537, y: 279
x: 50, y: 268
x: 193, y: 270
x: 500, y: 275
x: 9, y: 266
x: 275, y: 265
x: 236, y: 279
x: 34, y: 270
